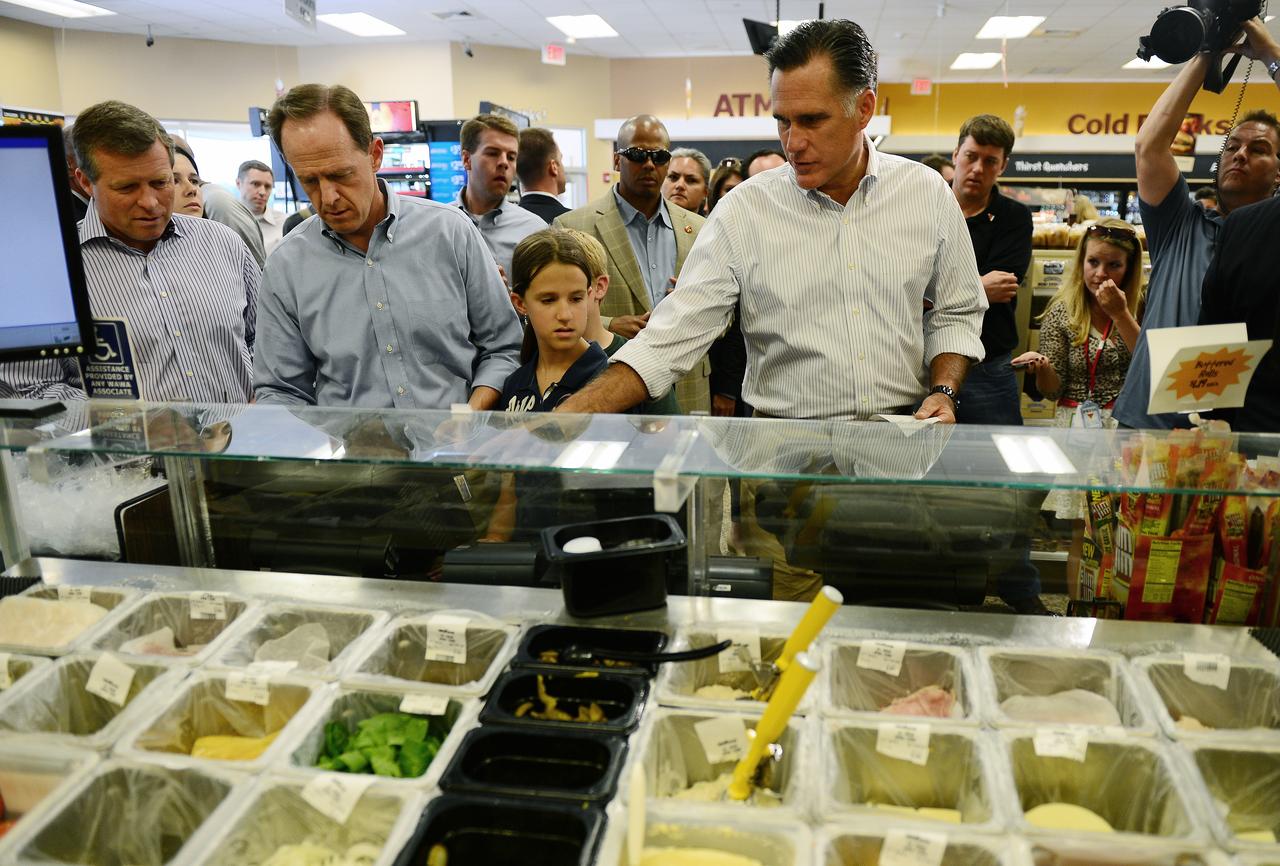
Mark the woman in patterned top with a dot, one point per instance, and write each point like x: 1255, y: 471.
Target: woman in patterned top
x: 1087, y: 334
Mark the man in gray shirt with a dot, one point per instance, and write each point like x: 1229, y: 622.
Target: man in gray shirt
x: 379, y: 300
x: 489, y: 147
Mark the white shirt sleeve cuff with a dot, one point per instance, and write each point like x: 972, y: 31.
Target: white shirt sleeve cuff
x: 648, y: 365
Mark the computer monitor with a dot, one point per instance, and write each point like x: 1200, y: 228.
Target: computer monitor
x: 44, y: 304
x: 399, y: 115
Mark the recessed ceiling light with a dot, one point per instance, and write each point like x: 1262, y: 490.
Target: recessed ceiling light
x: 1139, y: 63
x: 63, y: 8
x: 1010, y: 27
x: 582, y: 26
x: 976, y: 61
x: 360, y: 24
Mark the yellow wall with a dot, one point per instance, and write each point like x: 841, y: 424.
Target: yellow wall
x: 576, y: 94
x: 658, y: 87
x: 421, y: 71
x: 28, y: 70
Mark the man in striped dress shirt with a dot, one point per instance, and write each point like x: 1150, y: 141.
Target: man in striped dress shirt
x: 856, y: 277
x: 173, y: 297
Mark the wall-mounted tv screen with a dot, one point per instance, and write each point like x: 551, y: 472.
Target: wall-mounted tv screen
x: 398, y: 115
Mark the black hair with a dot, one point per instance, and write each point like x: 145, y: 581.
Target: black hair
x: 839, y: 39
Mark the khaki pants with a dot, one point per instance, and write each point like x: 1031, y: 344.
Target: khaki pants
x: 790, y: 583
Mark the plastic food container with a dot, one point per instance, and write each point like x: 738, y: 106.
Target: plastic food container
x: 130, y: 813
x: 32, y: 778
x: 273, y: 814
x: 202, y: 708
x: 547, y: 765
x: 1019, y: 673
x: 17, y: 666
x: 628, y: 573
x: 351, y: 705
x: 858, y: 691
x: 675, y: 759
x: 621, y: 698
x: 859, y: 844
x: 678, y: 683
x: 543, y: 643
x: 480, y: 831
x: 1243, y: 786
x: 397, y: 656
x: 767, y: 842
x: 345, y: 629
x: 1128, y: 782
x: 1107, y: 851
x: 54, y: 705
x: 1249, y: 705
x: 960, y: 774
x: 173, y: 611
x: 115, y: 600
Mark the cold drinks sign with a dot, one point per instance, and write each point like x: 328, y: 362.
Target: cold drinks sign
x: 1129, y: 124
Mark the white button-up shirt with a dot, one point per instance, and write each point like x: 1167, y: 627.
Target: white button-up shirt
x: 833, y: 297
x: 271, y: 221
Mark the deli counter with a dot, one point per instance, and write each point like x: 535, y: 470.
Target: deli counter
x: 295, y: 643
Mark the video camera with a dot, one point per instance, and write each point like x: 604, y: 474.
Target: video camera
x: 1202, y: 26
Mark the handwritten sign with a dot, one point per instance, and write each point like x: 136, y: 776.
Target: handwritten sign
x: 1202, y: 367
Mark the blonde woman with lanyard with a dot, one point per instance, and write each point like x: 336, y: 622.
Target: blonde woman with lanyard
x: 1087, y: 334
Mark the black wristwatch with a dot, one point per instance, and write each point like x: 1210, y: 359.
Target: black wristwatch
x: 949, y: 391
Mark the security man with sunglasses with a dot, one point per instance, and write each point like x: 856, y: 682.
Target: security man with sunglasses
x: 647, y: 240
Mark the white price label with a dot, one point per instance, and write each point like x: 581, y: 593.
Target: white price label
x: 255, y: 688
x: 909, y: 848
x: 208, y: 605
x: 742, y: 653
x: 75, y: 593
x: 424, y: 705
x: 904, y: 740
x: 110, y: 679
x: 334, y: 795
x: 723, y: 738
x: 1068, y: 743
x: 6, y: 678
x: 1207, y: 669
x: 447, y: 639
x: 882, y: 655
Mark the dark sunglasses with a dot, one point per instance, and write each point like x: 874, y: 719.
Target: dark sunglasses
x: 640, y: 156
x: 1114, y: 232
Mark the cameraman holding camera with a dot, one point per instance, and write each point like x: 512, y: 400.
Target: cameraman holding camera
x: 1181, y: 234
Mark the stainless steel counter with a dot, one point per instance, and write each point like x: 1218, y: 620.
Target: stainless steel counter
x: 545, y: 606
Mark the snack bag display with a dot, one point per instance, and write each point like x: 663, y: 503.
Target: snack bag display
x: 1237, y: 595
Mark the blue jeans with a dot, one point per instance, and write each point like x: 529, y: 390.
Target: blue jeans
x: 990, y: 394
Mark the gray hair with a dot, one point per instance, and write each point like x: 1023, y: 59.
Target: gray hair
x: 697, y: 156
x: 118, y: 128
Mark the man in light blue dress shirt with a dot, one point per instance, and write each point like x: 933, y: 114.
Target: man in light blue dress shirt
x: 490, y: 144
x: 379, y: 300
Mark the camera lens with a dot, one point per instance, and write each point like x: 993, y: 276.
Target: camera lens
x: 1178, y: 34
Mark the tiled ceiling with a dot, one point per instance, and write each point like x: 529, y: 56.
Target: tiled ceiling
x: 1083, y: 39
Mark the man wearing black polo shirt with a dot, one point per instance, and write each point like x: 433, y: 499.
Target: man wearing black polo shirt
x: 1240, y: 286
x: 1000, y: 229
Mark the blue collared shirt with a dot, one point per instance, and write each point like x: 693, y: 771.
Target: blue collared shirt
x: 654, y: 243
x: 417, y: 322
x: 502, y: 228
x: 183, y: 314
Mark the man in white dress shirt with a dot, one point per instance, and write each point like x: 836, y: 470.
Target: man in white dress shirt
x: 856, y: 277
x: 255, y: 182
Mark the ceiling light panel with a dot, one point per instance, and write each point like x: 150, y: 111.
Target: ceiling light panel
x: 582, y: 26
x: 1010, y: 27
x: 360, y: 24
x: 63, y: 8
x: 969, y: 60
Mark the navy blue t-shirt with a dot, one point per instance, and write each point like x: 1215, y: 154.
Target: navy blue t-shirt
x: 520, y: 393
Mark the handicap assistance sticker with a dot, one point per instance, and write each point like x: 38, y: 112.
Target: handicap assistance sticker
x: 110, y: 372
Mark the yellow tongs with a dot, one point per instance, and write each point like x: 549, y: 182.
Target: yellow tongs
x: 821, y: 609
x: 791, y: 688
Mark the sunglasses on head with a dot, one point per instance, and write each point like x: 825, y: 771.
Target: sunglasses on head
x: 640, y: 156
x: 729, y: 161
x: 1114, y: 232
